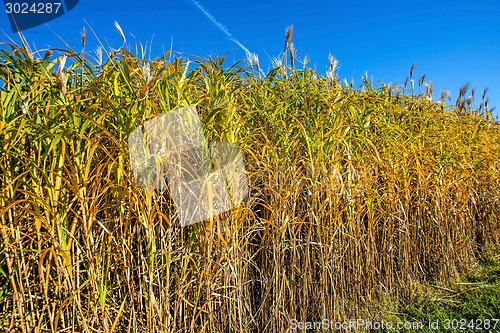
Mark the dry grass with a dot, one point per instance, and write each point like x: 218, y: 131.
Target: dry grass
x: 354, y: 193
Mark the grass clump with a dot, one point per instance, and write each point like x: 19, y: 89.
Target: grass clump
x: 353, y: 192
x: 468, y: 304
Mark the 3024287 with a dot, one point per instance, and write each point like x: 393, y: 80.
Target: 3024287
x: 33, y: 8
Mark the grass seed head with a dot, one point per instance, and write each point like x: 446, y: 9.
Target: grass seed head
x: 333, y: 63
x: 277, y: 62
x: 84, y: 37
x: 330, y: 74
x: 120, y: 31
x: 389, y: 89
x: 464, y: 88
x: 421, y: 81
x: 146, y: 72
x: 429, y: 88
x: 331, y: 77
x: 460, y: 103
x: 412, y: 69
x: 484, y: 92
x: 444, y: 92
x: 62, y: 62
x: 306, y: 60
x: 288, y: 37
x: 98, y: 52
x: 63, y: 80
x: 253, y: 59
x: 406, y: 82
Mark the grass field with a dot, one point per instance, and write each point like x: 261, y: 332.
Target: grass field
x: 357, y: 195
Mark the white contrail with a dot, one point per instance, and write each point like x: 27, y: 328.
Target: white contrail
x: 221, y: 26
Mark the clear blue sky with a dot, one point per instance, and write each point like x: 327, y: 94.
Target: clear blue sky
x: 451, y: 41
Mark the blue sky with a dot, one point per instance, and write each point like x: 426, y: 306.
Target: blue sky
x: 453, y: 42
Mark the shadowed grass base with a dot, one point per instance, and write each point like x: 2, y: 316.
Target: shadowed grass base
x: 470, y: 304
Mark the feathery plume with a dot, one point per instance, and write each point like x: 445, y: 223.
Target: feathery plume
x: 463, y: 89
x: 330, y: 74
x: 406, y: 82
x: 333, y: 62
x: 429, y: 88
x: 443, y: 96
x: 484, y: 92
x: 62, y: 62
x: 412, y: 69
x: 306, y: 60
x: 63, y: 80
x: 120, y: 31
x: 252, y: 58
x: 469, y: 100
x: 256, y: 59
x: 277, y: 62
x: 98, y: 52
x: 84, y: 37
x: 421, y: 81
x: 288, y: 37
x: 146, y: 72
x: 389, y: 90
x: 461, y: 105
